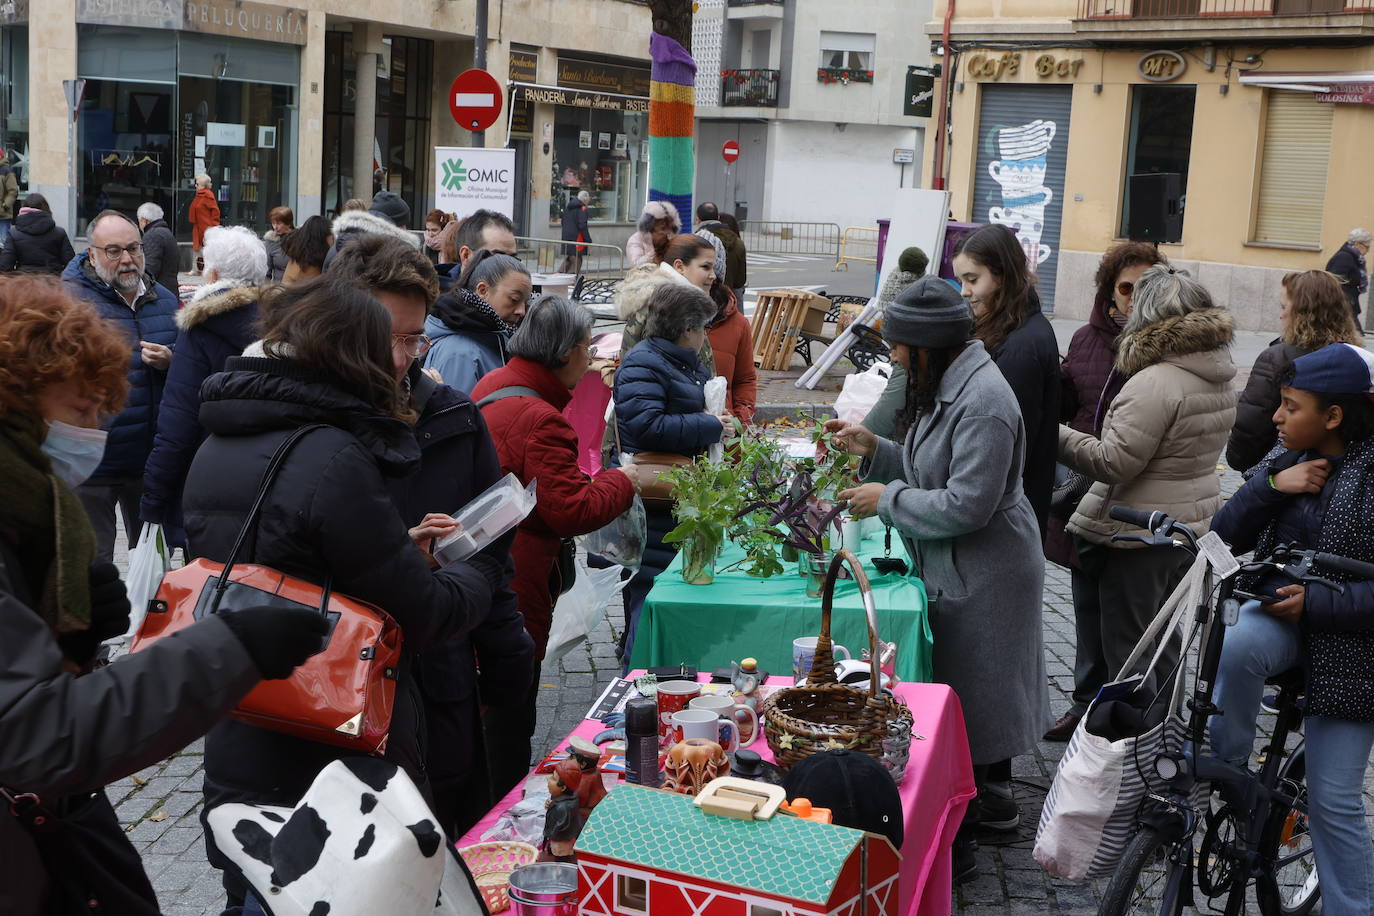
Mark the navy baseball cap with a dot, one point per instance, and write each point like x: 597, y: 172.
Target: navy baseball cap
x: 1338, y: 368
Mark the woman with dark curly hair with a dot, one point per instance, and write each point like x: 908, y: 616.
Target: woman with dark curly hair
x: 70, y: 727
x: 1313, y: 313
x: 1088, y: 383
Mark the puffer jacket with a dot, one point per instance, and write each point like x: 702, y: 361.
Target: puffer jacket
x: 1254, y: 433
x: 219, y: 321
x: 732, y: 346
x: 351, y: 224
x: 660, y: 403
x: 67, y: 736
x: 276, y: 258
x: 1337, y: 627
x: 36, y: 243
x: 162, y: 254
x: 1162, y: 434
x: 152, y: 317
x: 469, y: 339
x: 330, y: 516
x: 536, y: 442
x: 1086, y: 368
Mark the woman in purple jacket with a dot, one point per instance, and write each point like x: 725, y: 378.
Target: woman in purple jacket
x: 1089, y: 384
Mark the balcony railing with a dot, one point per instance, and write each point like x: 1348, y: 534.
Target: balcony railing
x: 758, y: 88
x: 1172, y: 9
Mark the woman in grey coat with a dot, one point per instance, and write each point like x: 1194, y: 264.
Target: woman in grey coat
x: 953, y: 492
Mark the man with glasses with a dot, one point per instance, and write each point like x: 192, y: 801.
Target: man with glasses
x: 457, y: 463
x: 111, y: 276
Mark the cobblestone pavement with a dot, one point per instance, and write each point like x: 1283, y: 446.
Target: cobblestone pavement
x: 159, y: 806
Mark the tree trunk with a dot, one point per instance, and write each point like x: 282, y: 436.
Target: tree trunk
x: 673, y: 18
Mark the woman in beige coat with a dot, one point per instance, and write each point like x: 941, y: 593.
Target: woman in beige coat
x: 1161, y: 438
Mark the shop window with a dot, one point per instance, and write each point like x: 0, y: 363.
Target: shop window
x: 1292, y: 184
x: 604, y: 153
x: 14, y: 100
x: 1161, y: 139
x: 631, y: 894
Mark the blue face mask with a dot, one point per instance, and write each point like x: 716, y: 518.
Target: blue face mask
x: 74, y: 451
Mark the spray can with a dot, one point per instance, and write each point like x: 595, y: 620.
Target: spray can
x: 641, y: 742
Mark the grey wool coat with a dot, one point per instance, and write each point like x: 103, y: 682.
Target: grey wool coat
x: 954, y: 494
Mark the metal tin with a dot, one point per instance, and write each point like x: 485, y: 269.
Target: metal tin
x: 544, y: 889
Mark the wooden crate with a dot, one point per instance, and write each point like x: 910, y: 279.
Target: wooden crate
x: 780, y: 316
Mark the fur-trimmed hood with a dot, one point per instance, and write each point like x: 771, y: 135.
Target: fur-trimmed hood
x: 633, y: 292
x: 356, y: 222
x: 216, y: 299
x: 1200, y: 332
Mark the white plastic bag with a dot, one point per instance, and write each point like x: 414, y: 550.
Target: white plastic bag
x: 861, y: 391
x: 496, y: 511
x: 148, y: 563
x: 715, y: 391
x: 580, y: 608
x: 622, y: 539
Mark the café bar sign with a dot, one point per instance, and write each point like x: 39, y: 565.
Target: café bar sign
x: 577, y: 98
x: 236, y: 18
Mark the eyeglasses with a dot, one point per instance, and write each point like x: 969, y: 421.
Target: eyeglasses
x: 415, y: 344
x: 1125, y: 289
x: 591, y: 351
x: 115, y: 252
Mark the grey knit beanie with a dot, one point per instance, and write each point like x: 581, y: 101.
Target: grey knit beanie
x: 930, y: 314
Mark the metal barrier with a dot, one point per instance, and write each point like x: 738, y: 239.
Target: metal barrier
x: 554, y: 255
x: 860, y: 239
x: 791, y: 238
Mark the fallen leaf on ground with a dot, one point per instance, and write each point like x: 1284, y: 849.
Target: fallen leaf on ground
x: 158, y: 816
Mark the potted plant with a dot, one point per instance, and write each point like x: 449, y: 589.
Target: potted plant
x: 705, y: 501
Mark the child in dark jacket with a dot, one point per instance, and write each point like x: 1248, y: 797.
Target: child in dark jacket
x: 1319, y: 494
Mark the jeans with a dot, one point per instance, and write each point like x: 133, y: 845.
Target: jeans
x: 1259, y: 646
x: 5, y: 230
x: 101, y: 499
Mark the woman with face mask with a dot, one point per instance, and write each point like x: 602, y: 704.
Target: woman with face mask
x: 71, y: 727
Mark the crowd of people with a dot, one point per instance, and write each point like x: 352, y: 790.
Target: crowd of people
x: 425, y: 369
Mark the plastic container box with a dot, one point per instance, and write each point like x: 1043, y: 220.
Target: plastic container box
x: 503, y: 506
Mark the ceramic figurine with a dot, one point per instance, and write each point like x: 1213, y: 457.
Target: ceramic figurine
x: 591, y: 790
x: 745, y: 679
x: 562, y: 817
x: 692, y: 764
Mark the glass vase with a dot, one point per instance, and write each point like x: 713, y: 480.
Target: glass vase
x: 698, y: 561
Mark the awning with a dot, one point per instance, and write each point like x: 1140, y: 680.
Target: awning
x: 1310, y: 81
x: 577, y: 98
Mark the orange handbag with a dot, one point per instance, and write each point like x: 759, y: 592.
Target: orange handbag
x: 344, y: 694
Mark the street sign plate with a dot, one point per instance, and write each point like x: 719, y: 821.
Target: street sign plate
x: 730, y: 151
x: 474, y: 99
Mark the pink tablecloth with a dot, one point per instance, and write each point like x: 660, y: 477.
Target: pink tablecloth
x: 937, y: 789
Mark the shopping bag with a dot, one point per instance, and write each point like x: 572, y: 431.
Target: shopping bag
x: 581, y: 607
x: 861, y: 391
x: 622, y: 541
x: 148, y: 563
x: 1093, y: 804
x: 715, y: 391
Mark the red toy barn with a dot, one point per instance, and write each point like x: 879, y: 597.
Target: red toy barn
x: 647, y: 852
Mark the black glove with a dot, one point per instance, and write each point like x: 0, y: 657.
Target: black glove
x: 277, y: 639
x: 109, y: 615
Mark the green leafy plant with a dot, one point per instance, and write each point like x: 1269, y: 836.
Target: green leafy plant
x: 705, y: 501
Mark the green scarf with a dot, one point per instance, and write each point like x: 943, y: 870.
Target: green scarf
x: 46, y: 524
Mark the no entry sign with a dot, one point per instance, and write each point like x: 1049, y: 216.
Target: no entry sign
x: 730, y: 151
x: 474, y: 99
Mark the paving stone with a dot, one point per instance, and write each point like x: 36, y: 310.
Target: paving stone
x: 175, y: 841
x: 183, y: 765
x: 135, y: 808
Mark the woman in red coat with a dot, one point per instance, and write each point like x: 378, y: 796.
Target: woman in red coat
x: 202, y: 214
x: 523, y: 403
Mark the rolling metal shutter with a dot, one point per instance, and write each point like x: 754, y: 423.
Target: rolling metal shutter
x: 1023, y: 144
x: 1292, y: 187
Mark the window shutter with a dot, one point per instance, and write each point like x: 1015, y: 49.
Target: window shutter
x: 1292, y: 187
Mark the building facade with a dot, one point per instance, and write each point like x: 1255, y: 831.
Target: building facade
x: 109, y: 103
x: 1232, y: 132
x: 813, y: 92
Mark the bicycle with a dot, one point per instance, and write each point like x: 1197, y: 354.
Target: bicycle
x: 1259, y: 832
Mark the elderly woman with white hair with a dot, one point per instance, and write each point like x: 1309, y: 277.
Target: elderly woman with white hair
x: 1349, y: 265
x: 202, y: 214
x: 1161, y: 437
x: 219, y: 321
x: 523, y: 405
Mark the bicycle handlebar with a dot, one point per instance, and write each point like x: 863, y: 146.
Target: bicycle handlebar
x: 1138, y: 517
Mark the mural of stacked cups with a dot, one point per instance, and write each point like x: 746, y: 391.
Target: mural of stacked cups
x: 1021, y: 174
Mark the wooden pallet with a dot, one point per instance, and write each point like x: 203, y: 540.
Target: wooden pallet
x: 778, y: 320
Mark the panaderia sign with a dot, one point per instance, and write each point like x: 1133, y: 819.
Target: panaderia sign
x: 576, y: 98
x: 236, y: 18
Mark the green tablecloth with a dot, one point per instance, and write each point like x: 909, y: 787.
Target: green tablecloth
x: 739, y: 615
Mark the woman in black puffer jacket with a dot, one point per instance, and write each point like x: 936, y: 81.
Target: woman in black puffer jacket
x: 325, y: 358
x: 36, y: 242
x: 660, y: 406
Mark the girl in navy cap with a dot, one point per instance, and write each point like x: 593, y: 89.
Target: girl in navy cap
x: 1317, y: 494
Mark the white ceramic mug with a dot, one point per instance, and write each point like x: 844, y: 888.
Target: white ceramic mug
x: 804, y: 653
x: 733, y: 735
x: 704, y: 724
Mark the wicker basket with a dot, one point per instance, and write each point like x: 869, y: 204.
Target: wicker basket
x: 491, y: 865
x: 823, y: 714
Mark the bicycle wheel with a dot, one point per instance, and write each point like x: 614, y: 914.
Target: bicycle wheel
x: 1289, y: 885
x: 1147, y: 879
